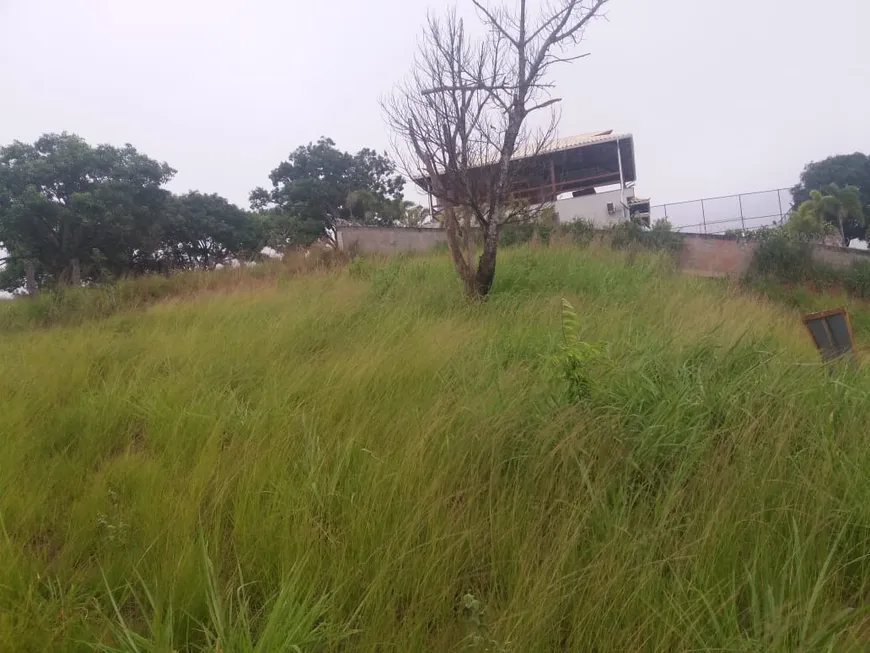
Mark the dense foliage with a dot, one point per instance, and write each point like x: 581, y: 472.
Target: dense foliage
x: 79, y: 211
x: 835, y: 206
x: 843, y: 170
x: 74, y: 213
x: 319, y: 184
x: 784, y: 257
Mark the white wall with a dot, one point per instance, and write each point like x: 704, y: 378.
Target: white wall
x: 594, y: 208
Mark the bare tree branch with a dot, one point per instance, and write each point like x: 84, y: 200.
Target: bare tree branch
x: 494, y: 22
x: 481, y: 86
x: 544, y: 105
x: 460, y: 122
x: 581, y: 23
x: 554, y: 59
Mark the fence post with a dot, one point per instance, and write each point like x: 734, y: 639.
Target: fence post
x: 703, y: 216
x: 779, y: 199
x: 742, y: 221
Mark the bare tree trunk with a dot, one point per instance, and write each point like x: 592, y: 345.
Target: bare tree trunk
x: 30, y: 278
x: 843, y: 240
x: 469, y: 238
x: 462, y: 116
x: 463, y: 267
x: 486, y: 267
x: 75, y: 273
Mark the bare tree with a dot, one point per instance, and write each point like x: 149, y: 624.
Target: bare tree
x: 461, y: 118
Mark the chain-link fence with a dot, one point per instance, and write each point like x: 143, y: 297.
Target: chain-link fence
x: 716, y: 215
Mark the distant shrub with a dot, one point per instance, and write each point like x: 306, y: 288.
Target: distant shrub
x: 782, y: 257
x: 630, y: 234
x: 857, y: 279
x: 548, y: 216
x: 516, y: 234
x: 544, y: 233
x: 581, y: 232
x: 624, y: 234
x: 791, y: 230
x: 539, y: 226
x: 662, y: 236
x: 662, y: 224
x: 785, y: 257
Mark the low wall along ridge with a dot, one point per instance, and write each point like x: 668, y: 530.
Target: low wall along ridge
x: 703, y: 255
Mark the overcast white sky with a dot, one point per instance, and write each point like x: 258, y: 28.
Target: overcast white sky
x: 722, y: 97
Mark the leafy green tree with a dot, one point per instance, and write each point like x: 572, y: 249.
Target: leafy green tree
x: 662, y: 225
x: 367, y: 208
x: 808, y: 222
x: 834, y: 205
x: 842, y: 170
x: 77, y: 212
x: 848, y: 208
x: 205, y: 229
x: 279, y: 228
x: 413, y: 215
x: 319, y: 184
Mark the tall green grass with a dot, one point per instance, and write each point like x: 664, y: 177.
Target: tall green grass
x: 361, y: 460
x: 784, y: 270
x: 70, y: 306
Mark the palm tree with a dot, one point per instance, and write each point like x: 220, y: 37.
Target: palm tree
x: 809, y: 221
x: 847, y: 204
x: 413, y: 215
x: 835, y: 205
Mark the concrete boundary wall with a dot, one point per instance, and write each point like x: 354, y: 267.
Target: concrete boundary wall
x: 388, y: 240
x: 729, y: 256
x: 703, y: 255
x: 716, y: 256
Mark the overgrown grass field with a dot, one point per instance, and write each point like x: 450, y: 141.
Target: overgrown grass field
x: 357, y: 459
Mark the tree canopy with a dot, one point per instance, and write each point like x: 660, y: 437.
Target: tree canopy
x: 319, y: 184
x: 202, y: 230
x: 832, y: 206
x: 808, y: 222
x: 78, y: 210
x: 842, y: 171
x: 71, y: 212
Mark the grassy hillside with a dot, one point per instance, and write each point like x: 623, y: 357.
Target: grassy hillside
x: 357, y: 459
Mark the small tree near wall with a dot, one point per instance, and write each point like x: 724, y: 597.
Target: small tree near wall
x: 461, y: 119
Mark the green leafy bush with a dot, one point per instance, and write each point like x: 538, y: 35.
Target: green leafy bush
x: 630, y: 234
x: 857, y: 279
x: 516, y: 234
x: 783, y: 257
x: 544, y: 232
x: 576, y: 358
x: 520, y: 234
x: 581, y: 232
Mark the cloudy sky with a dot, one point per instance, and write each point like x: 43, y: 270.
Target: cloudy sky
x: 722, y: 97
